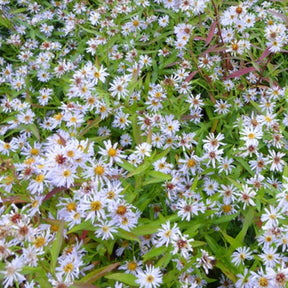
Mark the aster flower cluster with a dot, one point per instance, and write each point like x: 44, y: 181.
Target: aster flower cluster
x: 143, y: 143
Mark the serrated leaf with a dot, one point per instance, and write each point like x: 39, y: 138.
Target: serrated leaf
x: 125, y: 278
x: 211, y: 32
x: 241, y: 72
x: 39, y: 272
x: 170, y: 277
x: 154, y: 252
x: 160, y: 175
x: 56, y: 246
x: 213, y: 245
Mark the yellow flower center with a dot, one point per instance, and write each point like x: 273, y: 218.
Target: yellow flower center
x: 191, y: 163
x: 69, y: 267
x: 263, y: 282
x: 71, y: 206
x: 96, y: 205
x: 150, y: 278
x: 34, y: 151
x: 70, y: 153
x: 99, y: 170
x: 132, y: 266
x: 39, y: 178
x: 112, y: 152
x: 226, y: 208
x: 66, y: 173
x: 39, y: 241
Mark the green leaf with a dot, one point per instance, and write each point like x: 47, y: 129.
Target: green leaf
x: 140, y: 169
x: 153, y: 226
x: 128, y: 235
x: 213, y: 245
x: 127, y: 166
x: 197, y: 243
x: 285, y: 174
x: 56, y: 246
x: 226, y: 270
x: 234, y: 243
x: 135, y: 129
x: 165, y: 260
x: 225, y: 218
x: 31, y: 128
x: 161, y: 155
x: 97, y: 274
x: 249, y: 219
x: 92, y: 124
x: 154, y: 252
x: 98, y: 138
x: 194, y: 185
x: 156, y: 177
x: 170, y: 277
x: 83, y: 226
x: 245, y: 165
x: 125, y: 278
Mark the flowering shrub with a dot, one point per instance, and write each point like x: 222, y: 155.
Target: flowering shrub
x: 143, y: 143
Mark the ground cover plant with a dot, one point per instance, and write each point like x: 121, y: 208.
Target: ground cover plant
x: 143, y: 143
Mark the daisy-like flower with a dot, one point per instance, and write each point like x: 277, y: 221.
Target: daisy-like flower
x: 150, y: 278
x: 206, y: 261
x: 225, y: 165
x: 251, y: 135
x: 222, y: 107
x: 132, y: 267
x: 12, y: 272
x: 111, y: 152
x: 105, y: 230
x: 183, y: 246
x: 187, y: 208
x: 270, y: 257
x: 212, y: 142
x: 279, y: 278
x: 271, y: 216
x: 246, y: 196
x: 118, y: 88
x: 240, y: 255
x: 62, y: 177
x: 212, y: 155
x: 94, y: 207
x: 144, y: 149
x: 276, y: 161
x: 69, y: 266
x: 166, y: 234
x: 96, y: 74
